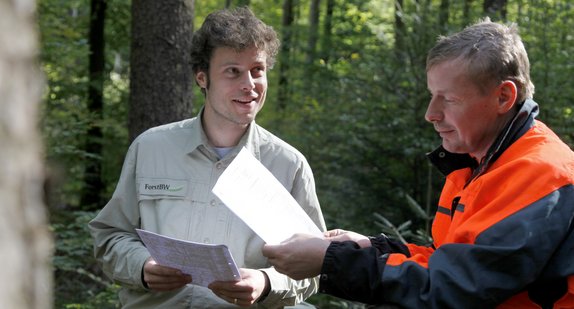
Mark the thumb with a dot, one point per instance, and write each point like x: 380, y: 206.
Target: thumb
x: 269, y: 250
x: 334, y: 233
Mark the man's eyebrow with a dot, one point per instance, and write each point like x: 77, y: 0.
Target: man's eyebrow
x: 232, y: 62
x: 431, y: 91
x: 229, y: 62
x: 439, y: 91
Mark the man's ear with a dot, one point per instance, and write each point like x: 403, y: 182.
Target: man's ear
x: 507, y: 94
x: 201, y: 79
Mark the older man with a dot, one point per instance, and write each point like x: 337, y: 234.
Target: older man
x: 231, y: 55
x: 503, y: 230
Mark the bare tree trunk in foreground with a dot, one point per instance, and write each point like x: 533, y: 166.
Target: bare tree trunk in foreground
x: 24, y: 242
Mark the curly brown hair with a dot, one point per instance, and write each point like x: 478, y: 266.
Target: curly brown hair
x: 238, y: 29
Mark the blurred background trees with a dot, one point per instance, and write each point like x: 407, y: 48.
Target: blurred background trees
x: 348, y: 91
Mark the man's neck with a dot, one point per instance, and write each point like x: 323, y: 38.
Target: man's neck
x: 502, y: 123
x: 223, y: 136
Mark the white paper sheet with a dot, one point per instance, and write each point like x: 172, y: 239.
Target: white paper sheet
x: 261, y: 201
x: 206, y: 263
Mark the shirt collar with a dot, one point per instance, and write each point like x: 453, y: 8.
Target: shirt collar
x: 250, y: 140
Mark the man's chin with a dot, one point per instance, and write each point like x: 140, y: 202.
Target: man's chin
x: 450, y: 148
x: 454, y: 149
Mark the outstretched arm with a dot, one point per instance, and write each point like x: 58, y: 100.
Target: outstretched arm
x: 299, y: 257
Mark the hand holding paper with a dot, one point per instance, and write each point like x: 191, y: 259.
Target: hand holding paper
x: 299, y: 257
x: 162, y: 278
x: 205, y: 263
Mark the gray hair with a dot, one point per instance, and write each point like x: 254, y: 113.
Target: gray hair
x: 493, y: 53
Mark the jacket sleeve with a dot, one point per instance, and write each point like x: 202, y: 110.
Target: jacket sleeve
x: 117, y: 247
x: 284, y: 290
x: 502, y: 262
x: 345, y: 263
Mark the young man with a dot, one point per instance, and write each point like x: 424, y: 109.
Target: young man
x: 231, y: 55
x: 503, y: 233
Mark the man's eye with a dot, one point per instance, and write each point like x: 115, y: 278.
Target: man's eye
x: 257, y: 70
x: 232, y: 70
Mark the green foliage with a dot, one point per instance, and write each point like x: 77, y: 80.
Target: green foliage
x: 359, y: 117
x: 403, y: 232
x: 64, y: 123
x: 550, y: 48
x: 78, y: 278
x: 65, y: 120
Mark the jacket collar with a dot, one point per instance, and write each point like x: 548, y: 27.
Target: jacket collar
x: 250, y: 140
x: 447, y: 162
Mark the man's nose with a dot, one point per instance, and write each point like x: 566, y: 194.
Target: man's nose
x: 247, y: 81
x: 434, y: 110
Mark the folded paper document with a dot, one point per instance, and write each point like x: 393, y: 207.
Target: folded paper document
x: 206, y: 263
x: 260, y: 200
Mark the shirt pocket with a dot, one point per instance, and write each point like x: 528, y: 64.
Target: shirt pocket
x: 167, y: 205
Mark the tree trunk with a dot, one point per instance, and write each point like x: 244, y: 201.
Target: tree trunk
x: 238, y: 3
x: 24, y: 239
x: 91, y: 195
x: 493, y: 7
x: 313, y: 31
x: 288, y: 17
x: 466, y: 13
x: 328, y: 30
x: 443, y: 14
x: 161, y: 83
x: 241, y: 3
x: 399, y: 30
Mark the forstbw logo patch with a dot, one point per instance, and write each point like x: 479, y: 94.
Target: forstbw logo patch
x: 163, y: 187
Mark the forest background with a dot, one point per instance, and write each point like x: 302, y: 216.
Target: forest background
x: 348, y: 90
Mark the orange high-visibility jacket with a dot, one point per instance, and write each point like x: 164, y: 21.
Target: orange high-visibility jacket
x: 503, y: 233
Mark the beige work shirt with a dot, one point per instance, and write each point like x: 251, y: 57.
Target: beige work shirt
x: 179, y: 155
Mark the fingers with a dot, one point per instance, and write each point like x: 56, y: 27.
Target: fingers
x: 241, y: 296
x: 167, y: 286
x: 342, y: 235
x: 333, y: 233
x: 161, y: 278
x: 238, y: 301
x: 152, y: 267
x: 269, y: 251
x: 244, y: 293
x: 300, y: 258
x: 166, y: 283
x: 242, y: 302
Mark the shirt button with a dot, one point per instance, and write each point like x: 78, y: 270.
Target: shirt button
x: 218, y: 165
x: 324, y: 277
x: 212, y: 202
x: 206, y: 240
x: 441, y: 154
